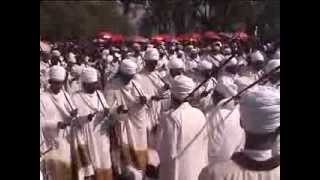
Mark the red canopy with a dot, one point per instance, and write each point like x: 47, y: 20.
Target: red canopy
x: 117, y: 38
x: 138, y: 39
x: 193, y: 36
x: 211, y: 35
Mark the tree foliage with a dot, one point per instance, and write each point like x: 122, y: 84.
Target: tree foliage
x: 63, y: 19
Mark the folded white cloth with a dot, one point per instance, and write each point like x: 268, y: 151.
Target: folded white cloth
x: 260, y: 110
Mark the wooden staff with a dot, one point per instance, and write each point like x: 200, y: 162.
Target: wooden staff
x: 251, y: 85
x: 140, y: 94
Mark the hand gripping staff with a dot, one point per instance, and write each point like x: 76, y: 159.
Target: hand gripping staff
x: 140, y: 94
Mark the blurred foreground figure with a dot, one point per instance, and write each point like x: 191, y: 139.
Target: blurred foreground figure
x: 183, y: 150
x: 260, y: 118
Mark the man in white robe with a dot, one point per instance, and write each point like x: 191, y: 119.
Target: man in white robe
x: 153, y: 86
x: 260, y: 118
x: 128, y: 109
x: 203, y: 96
x: 93, y: 109
x: 56, y: 113
x: 225, y: 133
x: 183, y: 150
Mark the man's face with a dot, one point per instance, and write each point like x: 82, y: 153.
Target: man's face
x: 232, y: 69
x: 126, y: 78
x: 55, y: 86
x: 205, y: 73
x: 175, y: 72
x: 193, y: 55
x: 151, y: 65
x: 90, y: 88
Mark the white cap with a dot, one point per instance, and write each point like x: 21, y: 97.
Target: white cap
x: 272, y: 64
x: 257, y: 56
x: 89, y: 75
x: 182, y: 86
x: 105, y: 52
x: 260, y: 110
x: 152, y: 54
x: 57, y: 73
x: 56, y: 53
x: 227, y: 50
x: 205, y: 65
x: 128, y: 67
x: 176, y: 63
x: 72, y: 58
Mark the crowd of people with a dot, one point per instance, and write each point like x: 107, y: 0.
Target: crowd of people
x: 160, y: 110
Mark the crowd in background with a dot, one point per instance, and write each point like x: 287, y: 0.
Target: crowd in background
x: 164, y: 110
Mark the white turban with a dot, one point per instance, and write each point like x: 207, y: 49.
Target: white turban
x: 232, y: 62
x: 271, y: 65
x: 182, y: 86
x: 257, y: 56
x: 128, y: 67
x: 76, y: 70
x: 226, y: 87
x: 72, y: 58
x: 176, y: 63
x: 56, y: 53
x: 218, y: 43
x: 194, y: 50
x: 205, y: 65
x: 227, y: 50
x: 57, y: 73
x: 277, y: 54
x: 152, y: 54
x: 105, y: 52
x: 260, y: 110
x: 89, y: 75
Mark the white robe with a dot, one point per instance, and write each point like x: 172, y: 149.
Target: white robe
x: 95, y: 132
x: 229, y: 170
x: 132, y: 126
x: 180, y: 159
x: 54, y: 108
x: 225, y: 133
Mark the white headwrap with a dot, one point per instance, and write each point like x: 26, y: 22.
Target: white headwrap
x: 89, y: 75
x: 232, y: 62
x: 128, y: 66
x: 176, y: 63
x: 57, y: 73
x: 226, y: 87
x: 72, y: 58
x: 257, y: 56
x: 182, y: 86
x: 152, y: 54
x: 271, y: 65
x: 205, y: 65
x: 194, y: 50
x: 76, y: 70
x: 56, y: 53
x: 218, y: 43
x: 260, y: 110
x: 105, y: 52
x: 227, y: 50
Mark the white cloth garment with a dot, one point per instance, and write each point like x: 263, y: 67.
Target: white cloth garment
x: 57, y: 73
x: 274, y: 63
x: 225, y: 133
x: 229, y: 170
x: 260, y: 110
x: 226, y: 85
x: 132, y: 125
x: 182, y: 86
x: 89, y: 75
x: 183, y: 150
x: 94, y: 132
x: 128, y: 66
